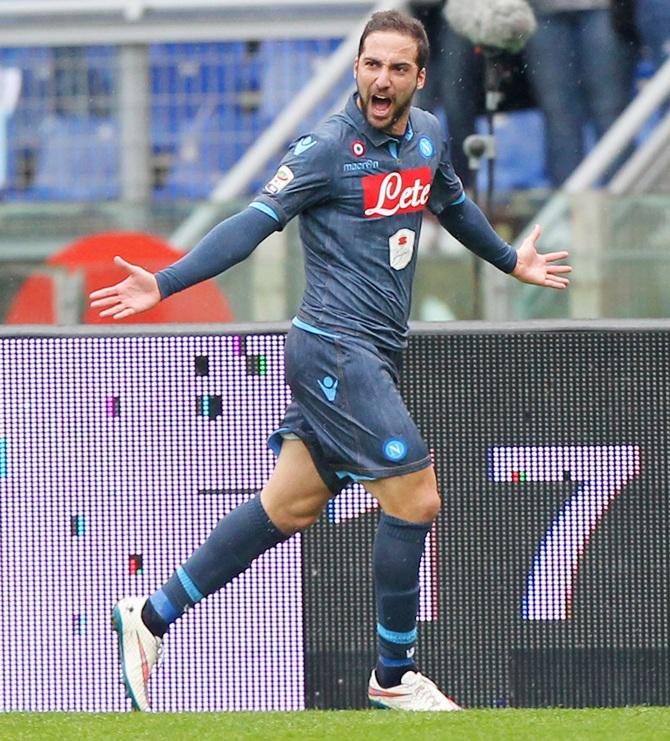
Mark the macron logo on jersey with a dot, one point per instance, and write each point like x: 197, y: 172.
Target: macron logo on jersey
x: 303, y: 145
x: 396, y: 192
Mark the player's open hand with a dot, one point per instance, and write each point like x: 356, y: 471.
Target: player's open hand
x: 539, y: 269
x: 135, y: 293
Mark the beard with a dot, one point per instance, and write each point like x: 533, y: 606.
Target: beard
x: 396, y: 110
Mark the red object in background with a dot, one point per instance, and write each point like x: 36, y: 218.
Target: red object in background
x: 93, y: 256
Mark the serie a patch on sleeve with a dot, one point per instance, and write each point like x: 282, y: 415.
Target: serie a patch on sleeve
x: 282, y: 178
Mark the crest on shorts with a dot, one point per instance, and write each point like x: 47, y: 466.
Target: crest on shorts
x: 395, y: 449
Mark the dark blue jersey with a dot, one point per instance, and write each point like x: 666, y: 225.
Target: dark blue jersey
x: 360, y: 195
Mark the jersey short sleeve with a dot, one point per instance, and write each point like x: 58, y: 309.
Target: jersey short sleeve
x: 303, y: 178
x: 447, y: 187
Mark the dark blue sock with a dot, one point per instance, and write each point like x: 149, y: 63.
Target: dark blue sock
x: 240, y: 537
x: 396, y: 557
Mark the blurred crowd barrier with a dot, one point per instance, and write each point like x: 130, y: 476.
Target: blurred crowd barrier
x: 619, y: 250
x: 130, y: 137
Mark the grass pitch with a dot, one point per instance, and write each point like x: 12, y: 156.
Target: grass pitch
x: 627, y: 724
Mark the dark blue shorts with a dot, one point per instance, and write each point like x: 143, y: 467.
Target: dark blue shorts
x: 348, y: 411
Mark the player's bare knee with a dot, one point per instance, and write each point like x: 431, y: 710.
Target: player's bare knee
x: 426, y: 501
x: 292, y: 519
x: 304, y: 520
x: 427, y: 506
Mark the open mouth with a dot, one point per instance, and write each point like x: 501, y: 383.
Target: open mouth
x: 380, y: 105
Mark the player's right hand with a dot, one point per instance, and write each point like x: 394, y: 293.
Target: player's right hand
x: 135, y: 293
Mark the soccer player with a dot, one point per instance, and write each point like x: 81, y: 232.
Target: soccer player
x: 360, y: 183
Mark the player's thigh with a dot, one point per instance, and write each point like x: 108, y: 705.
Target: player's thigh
x: 412, y: 496
x: 295, y: 494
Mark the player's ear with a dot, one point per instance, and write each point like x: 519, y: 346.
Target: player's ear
x: 421, y: 79
x: 356, y: 68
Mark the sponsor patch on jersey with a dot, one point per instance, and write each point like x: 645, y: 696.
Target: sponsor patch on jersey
x: 282, y: 178
x: 426, y: 147
x: 398, y: 192
x: 401, y: 248
x: 358, y: 148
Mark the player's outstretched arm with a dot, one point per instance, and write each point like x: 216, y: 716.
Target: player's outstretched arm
x: 538, y: 269
x: 137, y: 292
x: 465, y: 221
x: 225, y: 245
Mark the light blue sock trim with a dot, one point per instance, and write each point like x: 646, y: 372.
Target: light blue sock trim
x: 311, y: 328
x: 386, y: 661
x: 189, y: 587
x: 395, y: 637
x: 165, y: 609
x: 264, y: 208
x: 458, y: 201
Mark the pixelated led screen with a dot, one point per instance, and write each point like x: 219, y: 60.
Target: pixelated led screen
x: 544, y: 580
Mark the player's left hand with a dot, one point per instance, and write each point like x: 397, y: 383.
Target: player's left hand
x: 538, y: 269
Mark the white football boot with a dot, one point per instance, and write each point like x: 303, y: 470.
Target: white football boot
x: 139, y: 649
x: 415, y: 692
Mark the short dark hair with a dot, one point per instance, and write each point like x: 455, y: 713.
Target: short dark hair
x: 393, y: 20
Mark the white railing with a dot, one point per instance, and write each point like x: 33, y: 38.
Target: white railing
x: 649, y: 165
x: 622, y: 133
x: 575, y: 216
x: 82, y: 22
x: 135, y: 8
x: 609, y: 148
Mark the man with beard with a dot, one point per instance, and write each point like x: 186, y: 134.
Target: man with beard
x: 360, y: 183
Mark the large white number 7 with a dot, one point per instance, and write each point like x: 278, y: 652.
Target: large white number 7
x: 602, y: 472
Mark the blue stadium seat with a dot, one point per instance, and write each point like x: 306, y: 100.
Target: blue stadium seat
x: 520, y: 153
x: 186, y: 77
x: 203, y: 114
x: 79, y: 159
x: 32, y: 107
x: 279, y: 83
x: 208, y: 147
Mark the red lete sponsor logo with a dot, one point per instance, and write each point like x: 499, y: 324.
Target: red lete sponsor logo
x: 396, y: 192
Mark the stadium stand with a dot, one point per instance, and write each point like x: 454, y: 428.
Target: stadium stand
x: 208, y: 103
